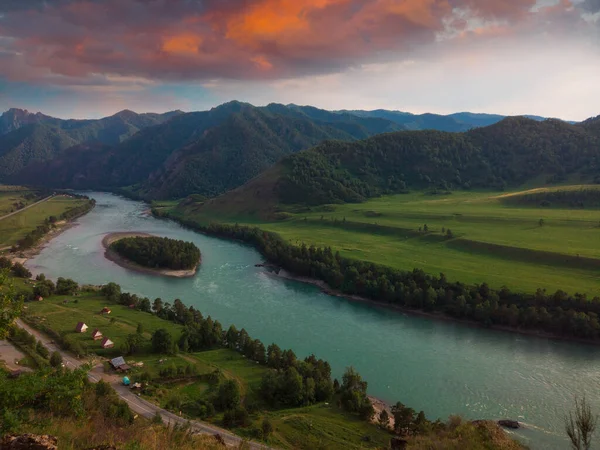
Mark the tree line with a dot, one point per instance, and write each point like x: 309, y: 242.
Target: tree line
x: 558, y: 313
x: 158, y: 252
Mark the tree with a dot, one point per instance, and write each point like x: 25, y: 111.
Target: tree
x: 140, y: 328
x: 66, y: 286
x: 133, y: 343
x: 20, y: 271
x: 112, y: 291
x: 425, y: 228
x: 41, y: 350
x: 162, y: 342
x: 267, y: 428
x: 403, y: 418
x: 449, y: 233
x: 144, y: 305
x: 384, y: 419
x: 157, y: 305
x: 580, y: 425
x: 228, y: 395
x: 10, y: 303
x: 354, y: 394
x: 56, y: 359
x: 44, y: 288
x: 541, y: 222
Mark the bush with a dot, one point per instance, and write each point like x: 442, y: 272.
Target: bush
x: 41, y: 350
x: 20, y: 271
x: 237, y: 417
x: 56, y: 359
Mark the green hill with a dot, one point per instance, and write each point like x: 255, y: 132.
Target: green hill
x: 512, y: 152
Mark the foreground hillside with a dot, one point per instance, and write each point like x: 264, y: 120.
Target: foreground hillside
x: 188, y: 364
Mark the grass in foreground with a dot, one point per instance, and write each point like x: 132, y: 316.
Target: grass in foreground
x: 492, y: 241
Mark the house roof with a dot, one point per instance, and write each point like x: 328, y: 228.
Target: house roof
x: 80, y: 326
x: 118, y: 362
x: 97, y: 332
x: 106, y: 341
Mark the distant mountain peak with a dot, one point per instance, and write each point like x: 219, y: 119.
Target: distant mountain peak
x: 15, y: 118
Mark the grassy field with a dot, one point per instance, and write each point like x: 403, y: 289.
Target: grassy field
x: 318, y: 426
x: 63, y: 317
x: 16, y: 227
x: 493, y: 241
x: 11, y: 195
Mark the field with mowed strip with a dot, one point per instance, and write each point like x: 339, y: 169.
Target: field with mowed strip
x: 551, y: 242
x: 15, y: 227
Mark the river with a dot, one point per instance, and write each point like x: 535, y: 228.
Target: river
x: 440, y: 367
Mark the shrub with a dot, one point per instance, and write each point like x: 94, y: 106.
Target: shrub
x: 56, y: 359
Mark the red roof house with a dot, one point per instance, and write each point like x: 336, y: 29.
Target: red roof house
x: 107, y: 343
x: 81, y: 327
x: 97, y: 334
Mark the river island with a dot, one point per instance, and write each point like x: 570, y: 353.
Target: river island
x: 151, y: 254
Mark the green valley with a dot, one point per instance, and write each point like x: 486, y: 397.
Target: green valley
x: 492, y: 240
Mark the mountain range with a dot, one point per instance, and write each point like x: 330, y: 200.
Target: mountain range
x: 512, y: 152
x: 172, y: 155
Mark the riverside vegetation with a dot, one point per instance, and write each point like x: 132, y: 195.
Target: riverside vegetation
x: 559, y: 313
x: 222, y: 376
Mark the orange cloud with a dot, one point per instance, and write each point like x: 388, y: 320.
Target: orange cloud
x: 261, y: 62
x: 182, y: 44
x: 273, y: 18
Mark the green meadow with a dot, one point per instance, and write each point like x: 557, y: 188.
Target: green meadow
x: 16, y: 227
x: 493, y: 238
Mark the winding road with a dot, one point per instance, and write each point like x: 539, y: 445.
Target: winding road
x: 136, y: 403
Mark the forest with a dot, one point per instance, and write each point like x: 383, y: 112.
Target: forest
x: 559, y: 313
x: 158, y: 252
x: 508, y: 153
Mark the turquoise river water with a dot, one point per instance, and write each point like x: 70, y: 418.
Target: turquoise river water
x: 440, y: 367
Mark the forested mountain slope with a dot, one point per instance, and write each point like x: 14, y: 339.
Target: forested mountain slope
x: 27, y: 138
x: 172, y: 155
x: 206, y: 152
x: 509, y: 153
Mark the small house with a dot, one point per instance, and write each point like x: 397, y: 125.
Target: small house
x: 107, y: 343
x: 105, y: 310
x: 97, y: 334
x: 81, y: 327
x: 119, y: 364
x: 39, y: 298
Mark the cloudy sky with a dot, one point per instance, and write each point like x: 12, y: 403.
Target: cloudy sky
x: 92, y: 58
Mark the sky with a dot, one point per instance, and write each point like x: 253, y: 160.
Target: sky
x: 92, y: 58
